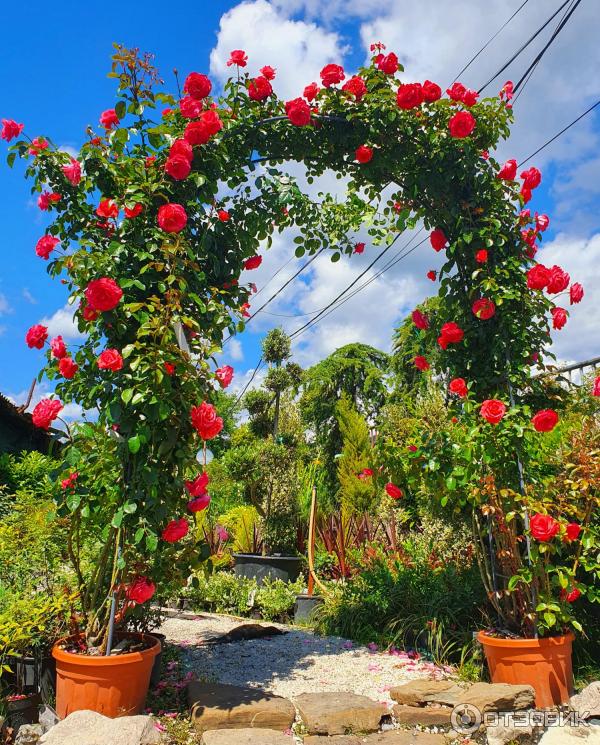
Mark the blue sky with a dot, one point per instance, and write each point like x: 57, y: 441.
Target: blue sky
x: 53, y: 78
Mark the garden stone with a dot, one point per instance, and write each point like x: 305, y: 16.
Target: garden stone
x: 335, y: 740
x: 499, y: 697
x: 329, y: 713
x: 394, y: 737
x: 91, y: 728
x: 218, y: 706
x: 571, y: 736
x: 252, y: 736
x: 507, y: 732
x: 420, y: 692
x: 426, y: 716
x: 588, y: 701
x: 29, y: 734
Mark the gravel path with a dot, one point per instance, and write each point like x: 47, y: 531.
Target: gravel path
x: 296, y: 662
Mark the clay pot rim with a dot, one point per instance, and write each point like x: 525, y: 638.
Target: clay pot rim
x: 110, y: 661
x: 547, y: 641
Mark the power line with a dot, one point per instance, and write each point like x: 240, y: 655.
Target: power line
x: 558, y: 134
x: 525, y: 45
x: 490, y: 40
x: 272, y: 277
x: 256, y: 369
x: 529, y: 71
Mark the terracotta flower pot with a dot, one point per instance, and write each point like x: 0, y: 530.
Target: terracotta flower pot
x: 115, y: 686
x: 544, y: 664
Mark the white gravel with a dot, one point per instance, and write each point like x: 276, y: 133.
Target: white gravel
x: 294, y: 663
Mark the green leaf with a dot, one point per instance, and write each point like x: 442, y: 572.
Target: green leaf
x: 120, y: 109
x: 130, y: 507
x: 126, y: 395
x: 134, y: 444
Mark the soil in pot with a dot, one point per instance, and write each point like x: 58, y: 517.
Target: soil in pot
x: 115, y: 686
x: 22, y: 709
x: 544, y: 664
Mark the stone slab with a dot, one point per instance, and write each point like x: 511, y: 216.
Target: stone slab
x: 571, y: 736
x: 330, y: 713
x: 91, y: 728
x: 426, y: 716
x: 499, y: 697
x: 421, y: 692
x: 588, y: 700
x: 217, y: 706
x: 252, y: 736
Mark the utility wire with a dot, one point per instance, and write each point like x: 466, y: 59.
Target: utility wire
x: 490, y: 40
x: 524, y: 46
x: 256, y: 369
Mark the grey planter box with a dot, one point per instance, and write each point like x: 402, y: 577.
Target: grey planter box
x: 252, y: 566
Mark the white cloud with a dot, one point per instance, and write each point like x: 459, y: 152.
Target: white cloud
x: 70, y: 412
x: 28, y: 296
x: 235, y: 351
x: 296, y: 48
x: 62, y: 322
x: 4, y: 305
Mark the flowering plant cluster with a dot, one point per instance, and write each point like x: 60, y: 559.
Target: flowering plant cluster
x: 154, y: 221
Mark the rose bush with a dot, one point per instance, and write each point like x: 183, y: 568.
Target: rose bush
x: 152, y: 261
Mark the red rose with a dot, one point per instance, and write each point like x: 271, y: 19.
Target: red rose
x: 558, y: 280
x: 484, y: 308
x: 181, y: 149
x: 197, y: 487
x: 507, y: 90
x: 196, y: 133
x: 103, y: 294
x: 169, y: 368
x: 409, y: 96
x: 459, y: 387
x: 596, y: 386
x: 178, y: 167
x: 259, y: 88
x: 205, y: 420
x: 172, y: 218
x: 45, y: 412
x: 298, y: 112
x: 109, y: 119
x: 421, y: 363
x: 532, y: 178
x: 310, y: 92
x: 508, y: 171
x: 366, y: 473
x: 47, y: 198
x: 395, y: 492
x: 545, y: 420
x: 573, y: 595
x: 140, y: 590
x: 110, y: 359
x: 70, y: 482
x: 58, y: 348
x: 199, y: 503
x: 363, y: 154
x: 10, y: 129
x: 388, y: 63
x: 420, y: 320
x: 462, y: 124
x: 492, y: 410
x: 450, y: 333
x: 438, y: 239
x: 543, y: 527
x: 541, y: 222
x: 88, y: 313
x: 134, y: 211
x: 481, y: 256
x: 224, y: 375
x: 538, y: 277
x: 470, y: 97
x: 190, y: 108
x: 107, y: 208
x: 432, y: 275
x: 525, y: 194
x: 356, y: 86
x: 37, y: 145
x: 332, y: 74
x: 237, y: 57
x: 67, y: 368
x: 36, y: 336
x: 268, y: 72
x: 573, y: 530
x: 245, y: 308
x: 559, y: 318
x: 575, y: 293
x: 45, y: 246
x: 73, y: 171
x: 223, y: 215
x: 197, y: 85
x: 253, y: 262
x: 431, y: 91
x: 456, y: 91
x: 175, y: 530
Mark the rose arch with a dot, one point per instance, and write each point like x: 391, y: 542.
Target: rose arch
x: 172, y: 197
